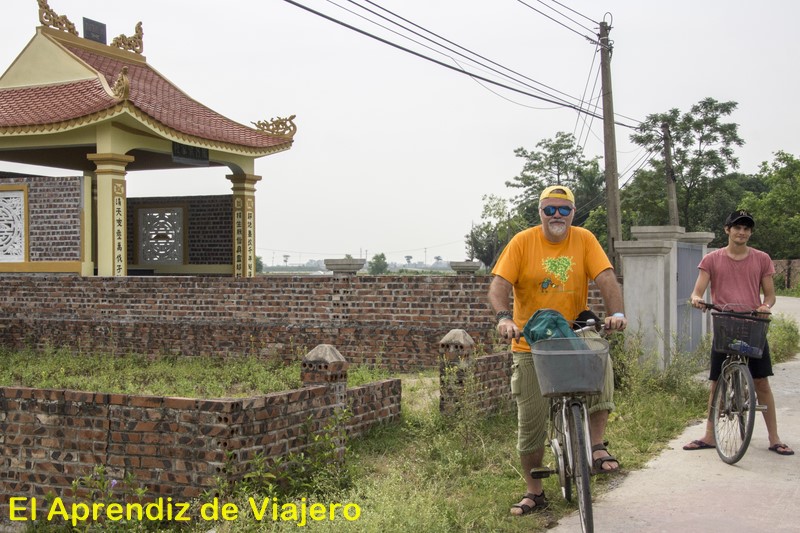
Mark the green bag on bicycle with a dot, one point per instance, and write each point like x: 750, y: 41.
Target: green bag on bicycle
x: 547, y: 324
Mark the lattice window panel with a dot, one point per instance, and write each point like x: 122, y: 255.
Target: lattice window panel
x: 161, y: 235
x: 12, y: 226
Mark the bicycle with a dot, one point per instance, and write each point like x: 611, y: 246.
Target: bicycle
x: 569, y: 370
x: 740, y: 335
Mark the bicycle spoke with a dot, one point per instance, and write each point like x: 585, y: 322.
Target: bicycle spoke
x: 733, y: 412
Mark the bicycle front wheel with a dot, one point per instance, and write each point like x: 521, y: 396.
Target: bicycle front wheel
x: 580, y: 467
x: 733, y: 412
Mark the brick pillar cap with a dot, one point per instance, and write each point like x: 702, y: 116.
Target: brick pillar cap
x: 325, y: 353
x: 457, y: 337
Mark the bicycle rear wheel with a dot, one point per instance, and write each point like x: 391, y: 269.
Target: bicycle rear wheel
x: 562, y: 453
x: 580, y: 467
x: 733, y: 412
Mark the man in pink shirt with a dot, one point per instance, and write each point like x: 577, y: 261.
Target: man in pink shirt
x: 738, y: 275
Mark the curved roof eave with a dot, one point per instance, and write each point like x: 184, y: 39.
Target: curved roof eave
x: 123, y: 108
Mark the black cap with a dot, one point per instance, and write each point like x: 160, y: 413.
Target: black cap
x: 740, y: 217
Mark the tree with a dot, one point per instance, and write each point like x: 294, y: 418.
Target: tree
x: 702, y: 152
x: 498, y: 224
x: 558, y: 161
x: 259, y: 264
x: 378, y: 265
x: 777, y: 209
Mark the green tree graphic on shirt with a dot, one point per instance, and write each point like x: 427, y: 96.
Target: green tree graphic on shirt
x: 560, y: 267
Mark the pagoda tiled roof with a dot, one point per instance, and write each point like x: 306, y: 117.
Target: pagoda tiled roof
x: 152, y: 98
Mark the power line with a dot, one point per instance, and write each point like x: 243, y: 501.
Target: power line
x: 590, y: 39
x: 407, y: 21
x: 445, y: 65
x: 570, y: 9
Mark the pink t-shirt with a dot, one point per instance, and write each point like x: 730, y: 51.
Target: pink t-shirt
x: 737, y: 282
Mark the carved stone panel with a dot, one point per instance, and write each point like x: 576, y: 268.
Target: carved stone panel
x: 161, y: 235
x: 12, y: 226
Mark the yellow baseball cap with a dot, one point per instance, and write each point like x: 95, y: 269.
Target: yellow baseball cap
x: 557, y: 191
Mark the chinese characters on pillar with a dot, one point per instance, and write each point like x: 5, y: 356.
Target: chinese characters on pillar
x: 250, y: 263
x: 244, y: 237
x: 238, y: 238
x: 120, y: 261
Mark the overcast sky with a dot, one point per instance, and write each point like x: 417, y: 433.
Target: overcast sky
x: 393, y: 153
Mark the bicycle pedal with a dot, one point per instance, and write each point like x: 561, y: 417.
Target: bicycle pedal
x: 541, y: 472
x: 761, y: 408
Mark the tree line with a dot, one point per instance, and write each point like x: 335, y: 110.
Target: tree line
x: 703, y: 170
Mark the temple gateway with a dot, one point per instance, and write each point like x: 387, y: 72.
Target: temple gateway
x: 101, y: 110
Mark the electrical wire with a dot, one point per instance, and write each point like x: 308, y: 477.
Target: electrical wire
x: 445, y: 65
x: 568, y: 18
x: 407, y: 21
x: 590, y: 39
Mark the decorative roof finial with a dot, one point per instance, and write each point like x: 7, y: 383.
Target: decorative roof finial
x: 122, y: 86
x: 48, y: 17
x: 285, y: 127
x: 133, y: 43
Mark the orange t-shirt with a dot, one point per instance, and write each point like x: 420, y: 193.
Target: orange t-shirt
x: 548, y: 275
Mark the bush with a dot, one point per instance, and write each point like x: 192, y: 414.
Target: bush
x: 783, y: 337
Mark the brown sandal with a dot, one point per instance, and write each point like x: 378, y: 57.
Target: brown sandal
x: 598, y: 463
x: 539, y: 500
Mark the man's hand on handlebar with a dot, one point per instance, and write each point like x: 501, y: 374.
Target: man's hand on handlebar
x: 507, y: 329
x: 698, y: 302
x: 615, y: 323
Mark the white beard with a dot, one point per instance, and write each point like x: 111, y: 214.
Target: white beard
x: 558, y: 229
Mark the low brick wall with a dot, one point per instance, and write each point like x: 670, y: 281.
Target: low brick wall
x: 176, y: 447
x: 395, y: 321
x: 789, y: 271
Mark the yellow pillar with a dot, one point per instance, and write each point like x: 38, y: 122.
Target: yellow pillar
x: 112, y: 249
x: 244, y: 224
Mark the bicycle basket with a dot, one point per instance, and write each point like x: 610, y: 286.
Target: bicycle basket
x: 737, y: 334
x: 570, y: 365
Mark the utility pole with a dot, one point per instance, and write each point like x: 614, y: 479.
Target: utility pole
x: 669, y: 172
x: 610, y: 150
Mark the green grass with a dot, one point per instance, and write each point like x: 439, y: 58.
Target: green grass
x: 191, y: 377
x: 461, y: 473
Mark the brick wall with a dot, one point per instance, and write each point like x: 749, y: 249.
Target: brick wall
x: 395, y: 320
x: 176, y: 447
x: 789, y: 269
x: 209, y: 234
x: 54, y: 216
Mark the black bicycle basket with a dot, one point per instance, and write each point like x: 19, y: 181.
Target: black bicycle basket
x: 738, y: 334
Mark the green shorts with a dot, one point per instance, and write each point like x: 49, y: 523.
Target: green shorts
x: 533, y: 409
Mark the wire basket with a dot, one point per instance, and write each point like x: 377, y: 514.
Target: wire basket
x: 738, y: 334
x: 570, y: 366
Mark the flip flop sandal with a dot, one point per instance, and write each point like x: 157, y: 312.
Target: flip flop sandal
x: 598, y: 463
x: 777, y: 449
x: 698, y: 445
x: 539, y: 500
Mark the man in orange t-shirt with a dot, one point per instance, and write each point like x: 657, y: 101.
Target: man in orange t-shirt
x: 549, y: 266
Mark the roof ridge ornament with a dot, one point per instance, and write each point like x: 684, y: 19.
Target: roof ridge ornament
x: 122, y: 85
x: 48, y: 17
x: 284, y: 127
x: 133, y: 43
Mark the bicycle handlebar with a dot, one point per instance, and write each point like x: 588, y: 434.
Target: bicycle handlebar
x: 723, y: 309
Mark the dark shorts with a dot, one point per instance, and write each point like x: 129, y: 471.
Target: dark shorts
x: 759, y: 368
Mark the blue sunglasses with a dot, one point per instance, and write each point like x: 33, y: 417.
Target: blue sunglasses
x: 563, y: 210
